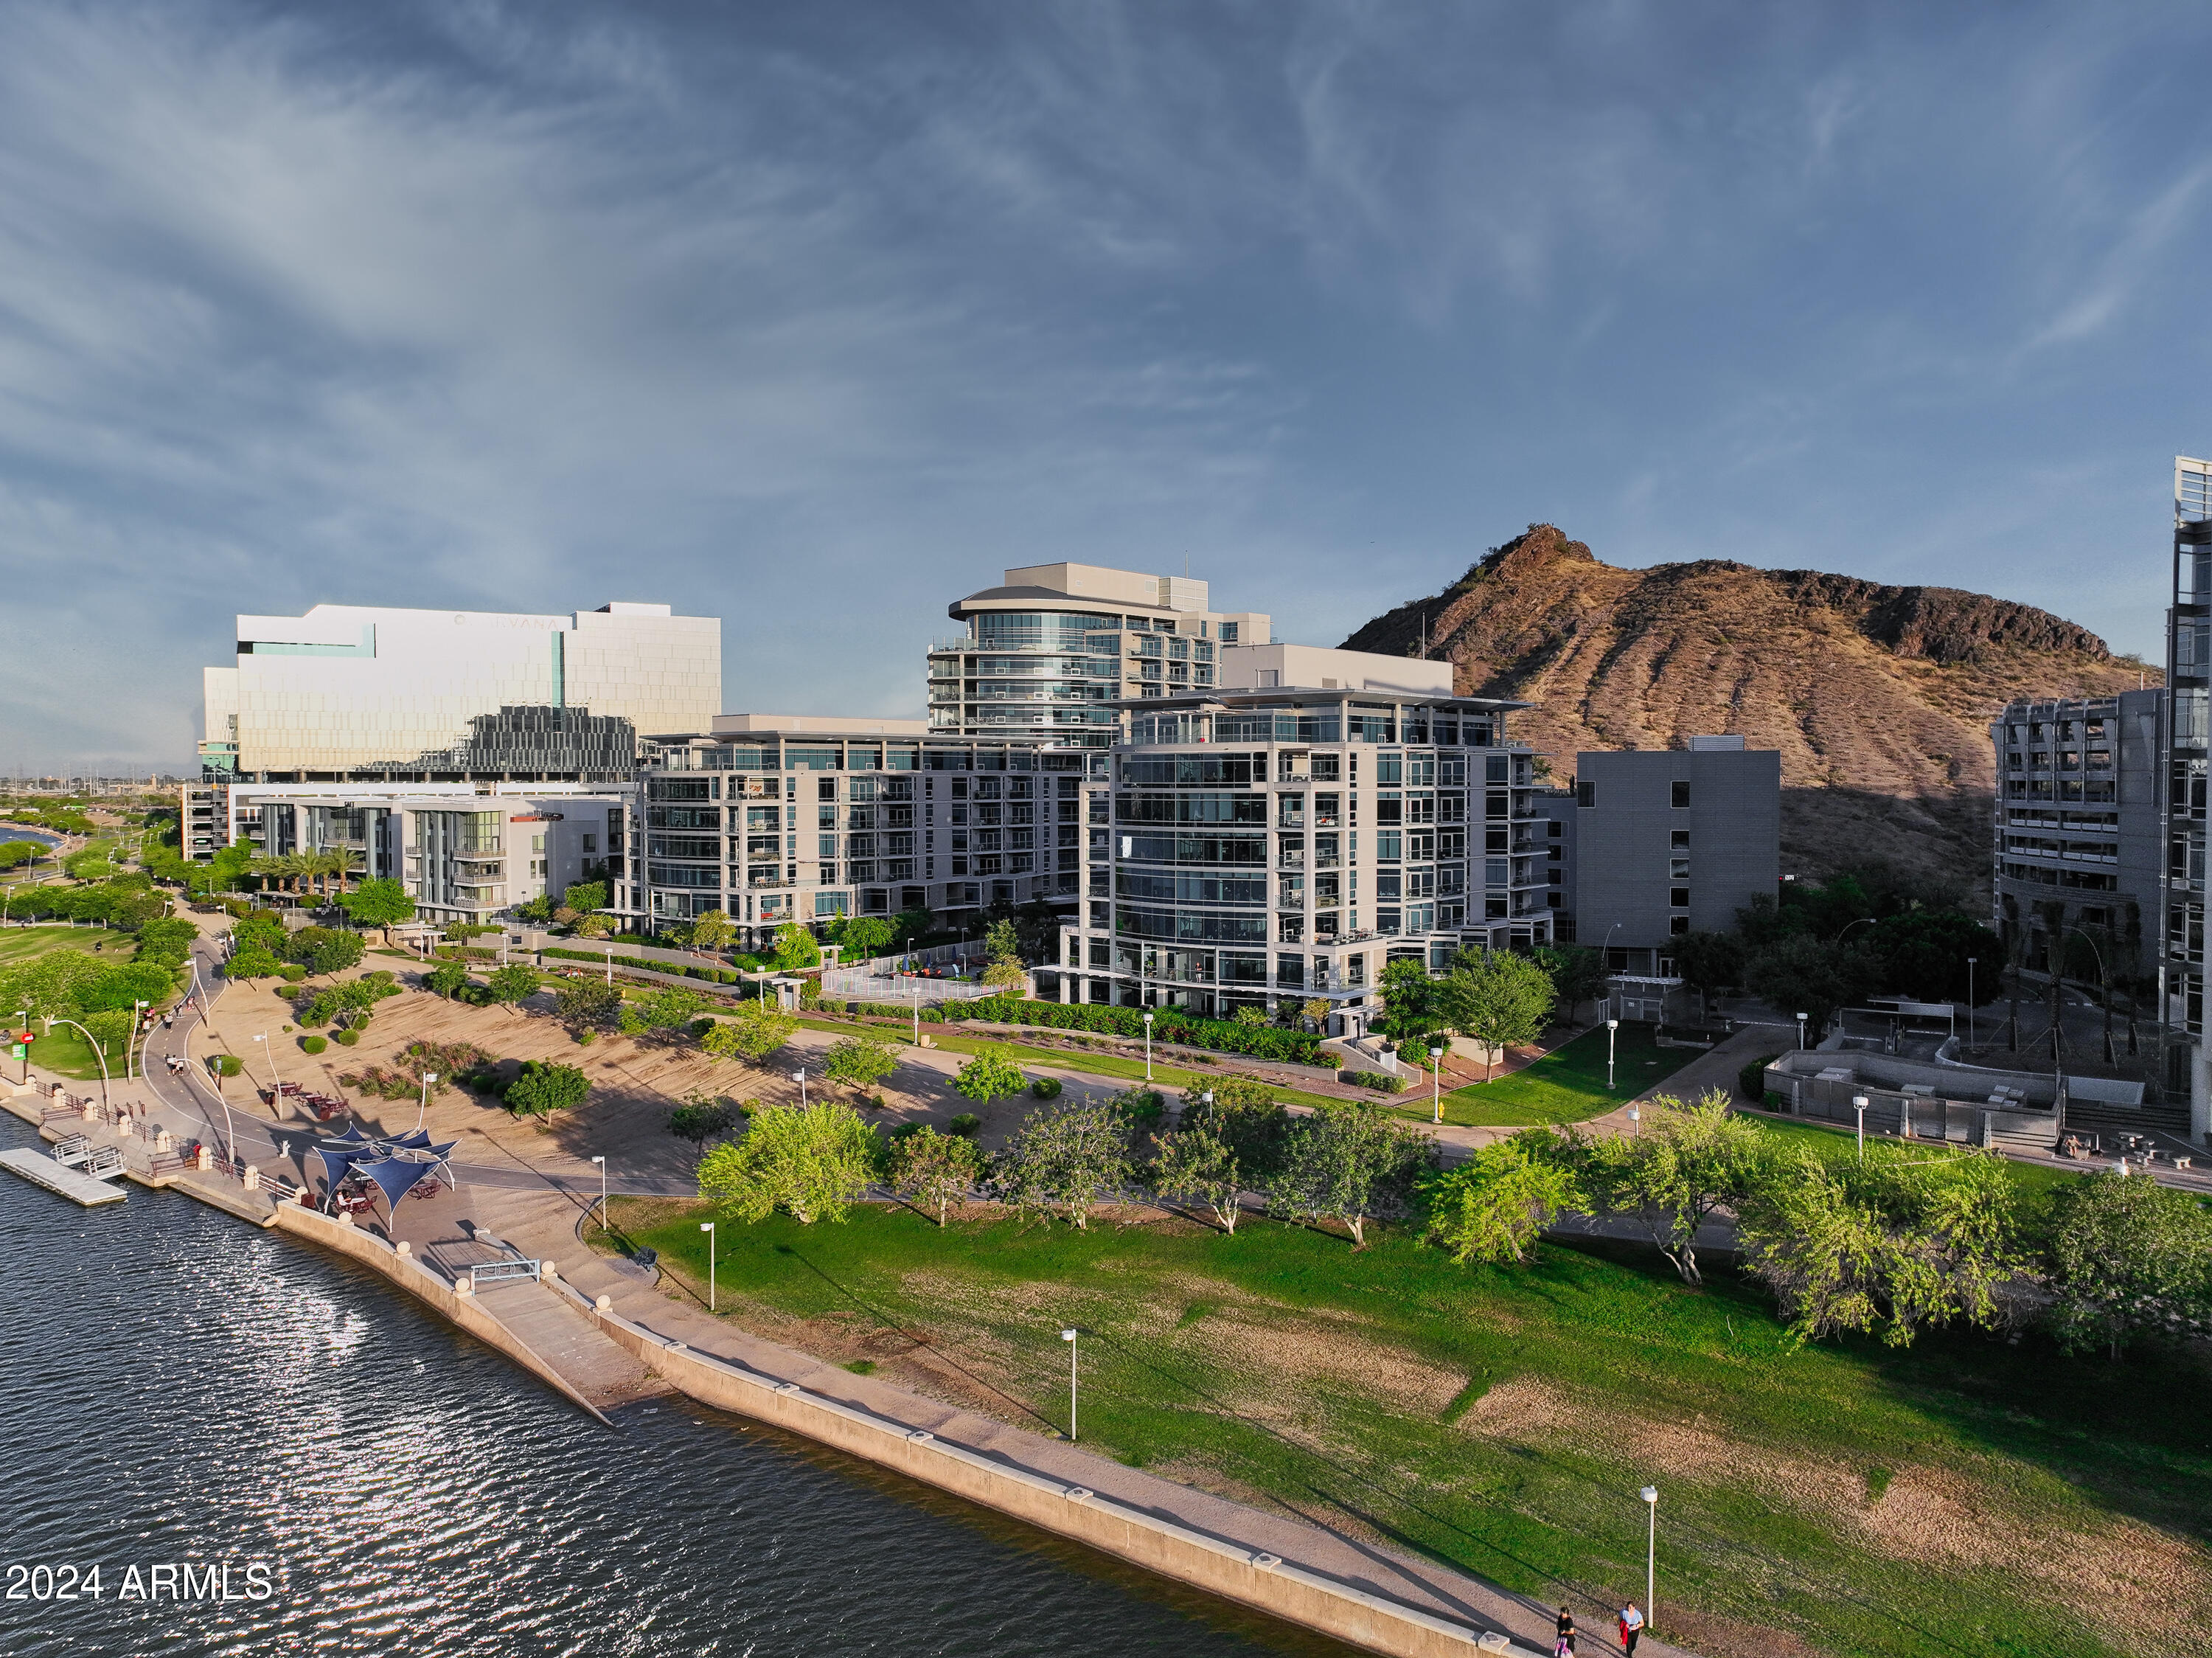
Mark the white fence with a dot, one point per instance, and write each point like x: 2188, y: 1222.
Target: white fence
x: 950, y: 973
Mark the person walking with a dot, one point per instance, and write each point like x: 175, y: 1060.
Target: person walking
x: 1564, y: 1645
x: 1631, y: 1627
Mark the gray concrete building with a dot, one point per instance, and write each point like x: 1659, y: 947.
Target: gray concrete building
x: 1284, y: 836
x: 2187, y: 749
x: 1671, y: 841
x: 2077, y: 862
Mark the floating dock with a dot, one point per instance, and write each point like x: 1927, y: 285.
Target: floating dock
x: 56, y: 1177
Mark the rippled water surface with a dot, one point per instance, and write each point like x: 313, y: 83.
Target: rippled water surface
x: 177, y: 1387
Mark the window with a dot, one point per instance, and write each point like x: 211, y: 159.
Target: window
x: 1681, y: 795
x: 1679, y: 897
x: 1585, y: 794
x: 1554, y: 829
x: 1228, y: 631
x: 1679, y: 925
x: 1681, y: 840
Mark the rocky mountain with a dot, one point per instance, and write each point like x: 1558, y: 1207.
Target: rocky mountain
x: 1878, y: 698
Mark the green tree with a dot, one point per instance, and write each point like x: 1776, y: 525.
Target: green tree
x: 1709, y: 961
x: 1245, y: 1116
x: 662, y: 1011
x: 513, y: 983
x: 1684, y: 1163
x: 1003, y: 947
x: 1066, y: 1159
x: 701, y: 1117
x: 934, y: 1171
x: 912, y: 924
x: 445, y: 978
x: 1315, y: 1013
x: 1800, y: 973
x: 1196, y: 1166
x: 1577, y: 973
x: 1493, y: 1206
x: 587, y: 1003
x: 796, y: 951
x: 169, y: 941
x: 1349, y: 1163
x: 1496, y: 998
x: 859, y: 1061
x: 865, y: 937
x: 1911, y: 1239
x: 754, y: 1031
x: 2123, y: 1256
x: 813, y: 1162
x: 543, y: 1088
x: 324, y: 951
x: 1412, y: 1002
x: 1923, y: 953
x: 991, y: 1074
x: 254, y: 961
x: 586, y: 895
x: 711, y: 930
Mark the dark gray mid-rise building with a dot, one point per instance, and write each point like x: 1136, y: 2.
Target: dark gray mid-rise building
x: 1670, y: 841
x: 2188, y: 748
x: 2078, y: 839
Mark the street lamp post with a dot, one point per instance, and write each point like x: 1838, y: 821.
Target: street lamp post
x: 707, y: 1227
x: 130, y: 1042
x: 1068, y: 1335
x: 610, y: 966
x: 1801, y: 1033
x: 275, y: 1082
x: 423, y: 1109
x: 1436, y: 1081
x: 21, y: 1017
x: 1612, y: 1031
x: 1148, y: 1047
x: 51, y: 1021
x: 1650, y: 1496
x: 917, y: 1012
x: 1972, y: 961
x: 1859, y: 1105
x: 602, y: 1163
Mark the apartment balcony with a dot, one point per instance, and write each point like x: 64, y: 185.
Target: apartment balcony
x: 1290, y: 860
x: 1326, y: 861
x: 1293, y: 821
x: 1328, y: 819
x: 755, y: 883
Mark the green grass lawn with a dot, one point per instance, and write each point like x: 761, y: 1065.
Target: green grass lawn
x: 20, y: 944
x: 1938, y: 1501
x: 1827, y: 1140
x: 1568, y: 1084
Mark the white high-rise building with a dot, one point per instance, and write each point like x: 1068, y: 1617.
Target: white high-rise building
x: 358, y: 693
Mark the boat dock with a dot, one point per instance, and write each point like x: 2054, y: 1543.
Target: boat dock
x: 44, y: 1171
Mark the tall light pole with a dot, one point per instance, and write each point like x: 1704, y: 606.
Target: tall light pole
x: 51, y: 1021
x: 1612, y: 1035
x: 130, y: 1042
x: 1971, y: 961
x: 1801, y: 1033
x: 423, y: 1109
x: 1650, y: 1496
x: 1436, y: 1082
x: 1148, y: 1047
x: 602, y: 1163
x: 707, y: 1227
x: 917, y: 1012
x: 276, y: 1083
x: 1859, y: 1105
x: 19, y: 1025
x: 1068, y: 1335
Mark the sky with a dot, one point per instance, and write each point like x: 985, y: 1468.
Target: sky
x: 815, y: 317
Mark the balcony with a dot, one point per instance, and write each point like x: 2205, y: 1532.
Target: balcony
x: 754, y: 883
x: 1292, y: 820
x: 1291, y: 860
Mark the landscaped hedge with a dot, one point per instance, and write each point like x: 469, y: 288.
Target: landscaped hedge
x: 1380, y: 1081
x: 712, y: 975
x: 1751, y: 1081
x: 1169, y: 1024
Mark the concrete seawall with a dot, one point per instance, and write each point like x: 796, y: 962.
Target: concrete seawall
x: 1172, y: 1550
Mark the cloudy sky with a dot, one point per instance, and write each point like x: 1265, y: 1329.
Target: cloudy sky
x: 815, y: 316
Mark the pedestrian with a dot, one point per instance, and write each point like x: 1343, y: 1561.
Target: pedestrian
x: 1563, y: 1646
x: 1631, y: 1627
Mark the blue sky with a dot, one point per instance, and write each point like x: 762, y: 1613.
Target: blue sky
x: 816, y: 316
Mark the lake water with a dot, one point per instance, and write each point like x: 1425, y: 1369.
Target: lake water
x: 177, y: 1389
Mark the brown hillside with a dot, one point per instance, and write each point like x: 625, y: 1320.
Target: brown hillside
x: 1878, y: 698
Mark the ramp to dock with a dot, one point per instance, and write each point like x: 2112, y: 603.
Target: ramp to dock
x: 44, y: 1171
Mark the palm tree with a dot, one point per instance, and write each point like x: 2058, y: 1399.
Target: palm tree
x: 268, y: 868
x: 344, y: 863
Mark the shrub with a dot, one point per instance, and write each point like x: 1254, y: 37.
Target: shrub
x: 313, y: 1043
x: 227, y: 1064
x: 1046, y: 1087
x: 1372, y: 1079
x: 350, y: 1035
x: 293, y: 973
x: 584, y: 1038
x: 967, y: 1124
x: 1170, y: 1025
x: 1751, y: 1081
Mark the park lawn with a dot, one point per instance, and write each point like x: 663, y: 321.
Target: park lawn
x: 1958, y: 1496
x: 21, y: 944
x: 1568, y: 1084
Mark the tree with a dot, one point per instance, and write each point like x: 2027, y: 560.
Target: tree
x: 1315, y: 1012
x: 168, y: 941
x: 813, y: 1162
x: 1411, y: 1002
x: 513, y: 983
x: 701, y: 1117
x: 545, y: 1088
x: 711, y: 930
x: 1245, y: 1116
x: 865, y: 937
x: 1577, y: 973
x: 1923, y: 953
x: 536, y: 911
x: 1907, y: 1239
x: 1036, y: 928
x: 991, y: 1074
x: 587, y: 1003
x: 1066, y: 1159
x: 1003, y: 946
x: 859, y: 1061
x: 324, y: 951
x: 449, y: 977
x: 1494, y: 1205
x: 254, y: 961
x: 2124, y: 1257
x: 912, y: 924
x: 1683, y: 1164
x: 586, y: 895
x: 1196, y: 1166
x: 596, y: 925
x: 661, y: 1011
x: 1800, y: 973
x: 1348, y: 1164
x: 934, y: 1171
x: 1709, y: 961
x: 1497, y: 999
x: 796, y: 951
x: 755, y: 1031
